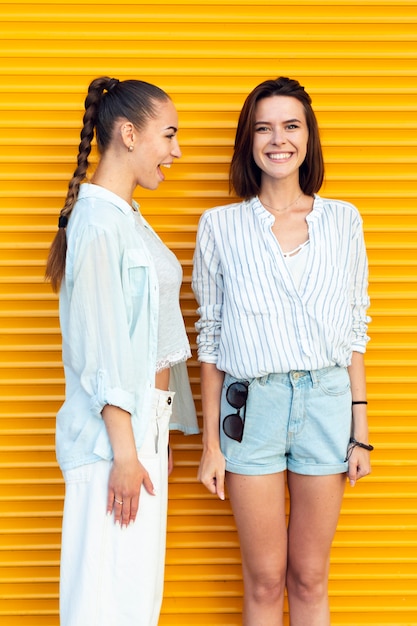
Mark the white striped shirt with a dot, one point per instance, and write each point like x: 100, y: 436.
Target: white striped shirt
x: 253, y: 319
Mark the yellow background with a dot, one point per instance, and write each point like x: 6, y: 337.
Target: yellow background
x: 358, y: 60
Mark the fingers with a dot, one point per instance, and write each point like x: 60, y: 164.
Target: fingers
x: 213, y: 480
x: 352, y: 480
x: 218, y: 481
x: 359, y: 466
x: 125, y: 510
x: 148, y: 484
x: 124, y: 492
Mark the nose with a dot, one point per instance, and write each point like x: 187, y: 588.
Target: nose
x: 278, y: 137
x: 176, y: 150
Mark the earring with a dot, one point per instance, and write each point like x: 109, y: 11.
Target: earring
x: 130, y: 148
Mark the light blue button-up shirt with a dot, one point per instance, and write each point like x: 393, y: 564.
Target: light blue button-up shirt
x: 254, y: 318
x: 109, y: 323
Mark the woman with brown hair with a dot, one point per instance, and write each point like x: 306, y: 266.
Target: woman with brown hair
x: 124, y: 353
x: 281, y: 283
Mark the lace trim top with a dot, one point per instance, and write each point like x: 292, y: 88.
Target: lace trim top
x: 296, y: 261
x: 173, y: 345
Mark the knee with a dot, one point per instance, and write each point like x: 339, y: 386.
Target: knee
x: 265, y: 589
x: 308, y: 586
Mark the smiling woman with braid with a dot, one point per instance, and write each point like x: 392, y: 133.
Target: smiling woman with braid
x: 124, y: 352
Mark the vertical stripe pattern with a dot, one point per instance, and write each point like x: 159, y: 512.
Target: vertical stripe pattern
x: 268, y: 324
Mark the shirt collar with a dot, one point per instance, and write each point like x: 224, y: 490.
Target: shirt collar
x: 264, y: 216
x: 88, y: 190
x: 268, y: 218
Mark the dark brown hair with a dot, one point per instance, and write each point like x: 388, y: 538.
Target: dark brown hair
x: 108, y: 100
x: 245, y: 175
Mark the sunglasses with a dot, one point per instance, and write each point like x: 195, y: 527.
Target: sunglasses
x: 237, y: 396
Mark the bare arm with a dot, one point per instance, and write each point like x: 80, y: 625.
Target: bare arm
x: 359, y: 462
x: 212, y: 466
x: 127, y: 474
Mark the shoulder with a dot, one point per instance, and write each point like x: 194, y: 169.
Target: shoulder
x: 339, y: 208
x: 224, y: 212
x: 97, y: 212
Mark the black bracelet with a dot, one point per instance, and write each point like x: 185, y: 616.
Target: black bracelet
x: 353, y: 444
x: 365, y: 446
x: 359, y: 402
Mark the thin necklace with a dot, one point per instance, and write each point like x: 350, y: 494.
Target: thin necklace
x: 285, y: 208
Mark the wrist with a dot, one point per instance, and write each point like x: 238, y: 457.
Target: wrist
x: 211, y: 445
x: 360, y: 429
x: 125, y: 456
x: 360, y: 444
x: 360, y: 435
x: 354, y: 443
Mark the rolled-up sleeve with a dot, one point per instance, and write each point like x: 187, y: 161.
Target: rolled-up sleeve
x: 207, y: 284
x: 359, y: 289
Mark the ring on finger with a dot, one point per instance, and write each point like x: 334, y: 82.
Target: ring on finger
x: 118, y: 501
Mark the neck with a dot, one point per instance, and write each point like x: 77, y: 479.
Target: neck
x: 272, y: 205
x: 114, y: 180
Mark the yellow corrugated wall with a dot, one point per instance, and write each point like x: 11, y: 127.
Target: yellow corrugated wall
x: 359, y: 62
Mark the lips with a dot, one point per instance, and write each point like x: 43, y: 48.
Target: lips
x: 161, y: 174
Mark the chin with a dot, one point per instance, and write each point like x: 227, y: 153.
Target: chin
x: 150, y: 186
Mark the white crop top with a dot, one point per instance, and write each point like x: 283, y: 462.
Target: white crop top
x: 173, y: 345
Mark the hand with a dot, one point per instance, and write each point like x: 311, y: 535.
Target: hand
x: 359, y: 465
x: 212, y: 471
x: 125, y: 482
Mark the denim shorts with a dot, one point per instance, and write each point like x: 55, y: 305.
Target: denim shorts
x: 300, y: 421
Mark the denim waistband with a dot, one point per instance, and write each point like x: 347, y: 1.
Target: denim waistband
x: 294, y: 375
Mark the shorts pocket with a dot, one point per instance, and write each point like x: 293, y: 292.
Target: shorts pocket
x: 335, y: 381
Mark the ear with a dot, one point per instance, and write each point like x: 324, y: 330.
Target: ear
x: 127, y: 133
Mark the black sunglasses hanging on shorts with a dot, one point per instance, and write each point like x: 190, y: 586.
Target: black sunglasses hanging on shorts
x: 237, y: 397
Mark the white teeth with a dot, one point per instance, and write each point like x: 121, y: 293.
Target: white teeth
x: 280, y: 157
x: 168, y: 165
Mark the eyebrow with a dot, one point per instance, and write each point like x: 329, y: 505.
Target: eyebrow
x: 172, y: 128
x: 285, y: 121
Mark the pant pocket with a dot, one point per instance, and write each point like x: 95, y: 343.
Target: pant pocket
x: 157, y: 432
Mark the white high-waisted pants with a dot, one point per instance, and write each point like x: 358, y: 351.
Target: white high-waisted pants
x: 112, y: 576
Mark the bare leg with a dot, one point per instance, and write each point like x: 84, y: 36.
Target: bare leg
x: 315, y: 508
x: 258, y: 504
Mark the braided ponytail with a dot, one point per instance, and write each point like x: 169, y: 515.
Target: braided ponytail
x: 131, y: 99
x: 55, y: 265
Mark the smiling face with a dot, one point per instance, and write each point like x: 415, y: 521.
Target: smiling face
x: 156, y: 146
x: 280, y: 137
